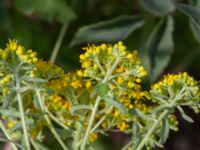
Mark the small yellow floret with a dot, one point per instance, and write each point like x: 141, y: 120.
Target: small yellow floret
x: 93, y: 137
x: 103, y: 46
x: 10, y: 124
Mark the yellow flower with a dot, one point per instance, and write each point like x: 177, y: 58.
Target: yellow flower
x: 12, y: 45
x: 10, y: 124
x: 93, y: 137
x: 120, y: 80
x: 123, y: 126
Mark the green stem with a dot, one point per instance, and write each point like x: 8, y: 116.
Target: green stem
x: 55, y: 119
x: 58, y: 43
x: 101, y: 120
x: 151, y: 130
x: 162, y: 116
x: 77, y: 137
x: 22, y: 114
x: 34, y: 144
x: 127, y: 145
x: 52, y: 129
x: 106, y: 78
x: 7, y: 135
x: 90, y: 122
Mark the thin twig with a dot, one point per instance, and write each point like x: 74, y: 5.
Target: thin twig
x: 58, y: 43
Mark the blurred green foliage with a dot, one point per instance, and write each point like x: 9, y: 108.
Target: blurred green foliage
x: 151, y: 26
x: 166, y: 32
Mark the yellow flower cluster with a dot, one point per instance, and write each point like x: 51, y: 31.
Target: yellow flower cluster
x: 113, y: 65
x: 172, y: 79
x: 98, y: 59
x: 172, y: 84
x: 124, y: 72
x: 47, y: 70
x: 58, y: 102
x: 27, y: 56
x: 6, y: 79
x: 60, y: 107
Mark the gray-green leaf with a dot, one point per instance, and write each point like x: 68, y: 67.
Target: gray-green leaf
x: 158, y: 7
x: 159, y: 47
x: 116, y: 104
x: 108, y: 31
x: 79, y: 107
x: 194, y: 14
x: 100, y: 89
x: 164, y: 130
x: 187, y: 118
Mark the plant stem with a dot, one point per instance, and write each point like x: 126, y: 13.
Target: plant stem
x: 22, y: 114
x: 58, y: 43
x: 91, y: 122
x: 142, y: 143
x: 127, y: 145
x: 34, y: 144
x: 7, y: 135
x: 101, y: 120
x: 55, y: 119
x: 77, y: 137
x: 53, y: 130
x: 106, y: 78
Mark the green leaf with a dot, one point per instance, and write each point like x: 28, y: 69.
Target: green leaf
x: 64, y: 133
x: 100, y: 89
x: 136, y: 136
x: 158, y: 7
x: 40, y: 145
x: 194, y: 14
x: 185, y: 116
x: 164, y: 130
x: 195, y: 3
x: 79, y: 107
x: 140, y: 114
x: 159, y: 47
x: 195, y: 31
x: 108, y: 31
x: 116, y: 104
x: 35, y: 80
x: 48, y: 10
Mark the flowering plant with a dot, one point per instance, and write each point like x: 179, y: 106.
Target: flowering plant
x: 104, y: 95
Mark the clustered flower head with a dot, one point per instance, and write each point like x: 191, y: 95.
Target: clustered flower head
x: 181, y: 83
x: 19, y: 52
x: 13, y: 56
x: 122, y: 72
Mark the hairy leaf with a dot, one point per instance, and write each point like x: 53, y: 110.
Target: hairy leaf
x: 64, y: 133
x: 108, y: 31
x: 116, y: 104
x: 100, y: 89
x: 164, y: 130
x: 79, y: 107
x: 40, y: 145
